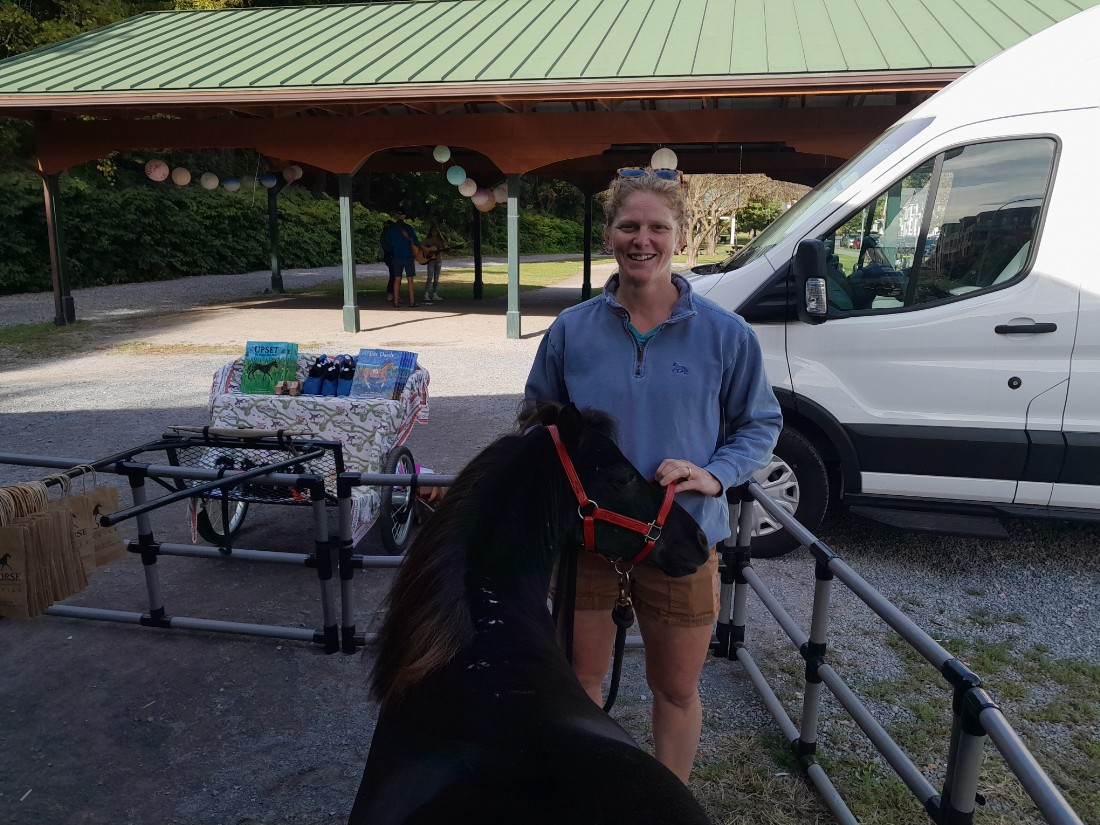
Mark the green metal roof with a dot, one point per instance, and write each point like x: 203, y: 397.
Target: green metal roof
x: 473, y: 42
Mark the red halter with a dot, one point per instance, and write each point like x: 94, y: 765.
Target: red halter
x: 651, y: 531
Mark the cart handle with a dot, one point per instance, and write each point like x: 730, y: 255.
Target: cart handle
x: 238, y: 432
x: 232, y: 479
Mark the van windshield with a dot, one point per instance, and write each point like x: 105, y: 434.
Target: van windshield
x: 791, y: 220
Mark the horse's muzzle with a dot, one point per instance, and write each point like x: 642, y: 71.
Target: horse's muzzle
x: 683, y: 547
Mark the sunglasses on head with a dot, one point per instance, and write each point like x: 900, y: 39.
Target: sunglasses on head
x: 640, y: 171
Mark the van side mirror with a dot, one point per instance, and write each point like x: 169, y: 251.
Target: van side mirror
x: 811, y: 299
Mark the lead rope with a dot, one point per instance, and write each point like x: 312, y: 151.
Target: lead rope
x: 565, y: 601
x: 623, y: 616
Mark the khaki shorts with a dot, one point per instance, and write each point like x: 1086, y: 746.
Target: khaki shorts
x: 688, y: 601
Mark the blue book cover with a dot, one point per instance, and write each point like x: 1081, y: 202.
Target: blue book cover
x: 375, y: 373
x: 381, y: 373
x: 405, y: 368
x: 265, y: 364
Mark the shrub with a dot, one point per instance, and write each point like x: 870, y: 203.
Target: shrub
x: 139, y: 230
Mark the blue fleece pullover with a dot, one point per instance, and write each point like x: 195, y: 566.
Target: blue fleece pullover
x: 674, y: 396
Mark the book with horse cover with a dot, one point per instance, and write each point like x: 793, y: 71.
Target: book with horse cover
x: 382, y: 373
x: 265, y: 364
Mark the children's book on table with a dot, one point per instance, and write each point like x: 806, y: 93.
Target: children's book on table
x: 382, y: 373
x: 265, y: 364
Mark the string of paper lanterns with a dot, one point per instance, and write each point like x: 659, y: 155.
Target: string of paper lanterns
x: 483, y: 199
x: 158, y: 171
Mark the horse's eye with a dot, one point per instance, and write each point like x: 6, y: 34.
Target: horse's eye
x: 623, y: 480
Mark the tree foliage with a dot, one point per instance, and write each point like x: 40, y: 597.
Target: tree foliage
x: 28, y: 24
x: 121, y: 227
x: 753, y: 201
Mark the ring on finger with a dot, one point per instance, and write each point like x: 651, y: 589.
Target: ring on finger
x: 689, y: 472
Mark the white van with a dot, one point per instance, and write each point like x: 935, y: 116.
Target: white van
x: 947, y: 360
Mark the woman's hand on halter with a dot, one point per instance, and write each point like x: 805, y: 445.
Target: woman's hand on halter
x: 687, y: 476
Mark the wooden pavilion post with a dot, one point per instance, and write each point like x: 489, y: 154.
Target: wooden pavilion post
x: 586, y: 284
x: 273, y: 235
x: 513, y: 318
x: 64, y: 308
x: 479, y: 281
x: 347, y: 255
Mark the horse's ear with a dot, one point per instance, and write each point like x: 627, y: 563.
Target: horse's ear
x: 570, y: 424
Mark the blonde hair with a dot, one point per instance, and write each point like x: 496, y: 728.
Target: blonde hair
x: 669, y: 191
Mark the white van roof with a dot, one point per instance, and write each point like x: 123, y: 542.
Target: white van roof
x: 1053, y: 70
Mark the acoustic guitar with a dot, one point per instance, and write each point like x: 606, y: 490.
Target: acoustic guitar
x: 422, y: 255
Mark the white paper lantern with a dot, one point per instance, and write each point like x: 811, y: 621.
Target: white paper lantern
x: 208, y: 180
x: 501, y: 193
x: 292, y: 173
x: 156, y: 170
x: 441, y: 154
x: 663, y: 159
x: 231, y: 184
x: 481, y: 196
x: 467, y: 187
x: 267, y: 179
x: 487, y: 203
x: 180, y: 176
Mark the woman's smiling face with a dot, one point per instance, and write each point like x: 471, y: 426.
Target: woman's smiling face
x: 643, y: 237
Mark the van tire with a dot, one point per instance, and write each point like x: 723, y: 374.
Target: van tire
x: 797, y: 479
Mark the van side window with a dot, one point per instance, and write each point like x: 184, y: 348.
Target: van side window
x: 963, y: 222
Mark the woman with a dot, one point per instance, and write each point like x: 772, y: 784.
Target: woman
x: 685, y: 380
x: 434, y: 244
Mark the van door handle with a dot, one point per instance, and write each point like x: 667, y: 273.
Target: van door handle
x: 1016, y: 329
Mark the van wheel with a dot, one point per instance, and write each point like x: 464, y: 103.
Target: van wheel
x: 797, y: 480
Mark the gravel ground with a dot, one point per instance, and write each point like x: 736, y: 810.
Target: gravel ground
x: 123, y: 725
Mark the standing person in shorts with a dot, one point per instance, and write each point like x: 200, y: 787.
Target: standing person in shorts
x: 401, y: 238
x: 684, y: 379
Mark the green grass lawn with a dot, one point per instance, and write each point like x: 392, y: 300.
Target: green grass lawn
x: 459, y: 283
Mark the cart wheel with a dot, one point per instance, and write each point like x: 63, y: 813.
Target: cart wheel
x: 209, y: 522
x: 398, y: 507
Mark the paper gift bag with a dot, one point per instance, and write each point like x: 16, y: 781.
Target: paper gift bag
x: 83, y: 528
x: 73, y: 576
x: 15, y: 573
x: 45, y: 574
x: 109, y: 544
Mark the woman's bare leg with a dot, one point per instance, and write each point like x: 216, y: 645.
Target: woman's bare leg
x: 593, y: 641
x: 674, y: 662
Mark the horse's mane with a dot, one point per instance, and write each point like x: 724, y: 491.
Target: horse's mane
x: 428, y: 617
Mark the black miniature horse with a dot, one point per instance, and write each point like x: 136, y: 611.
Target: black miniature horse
x: 481, y: 719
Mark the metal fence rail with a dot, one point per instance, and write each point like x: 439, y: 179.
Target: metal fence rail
x: 331, y: 559
x: 974, y: 718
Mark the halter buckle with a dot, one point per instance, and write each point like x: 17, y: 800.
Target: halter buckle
x: 654, y: 532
